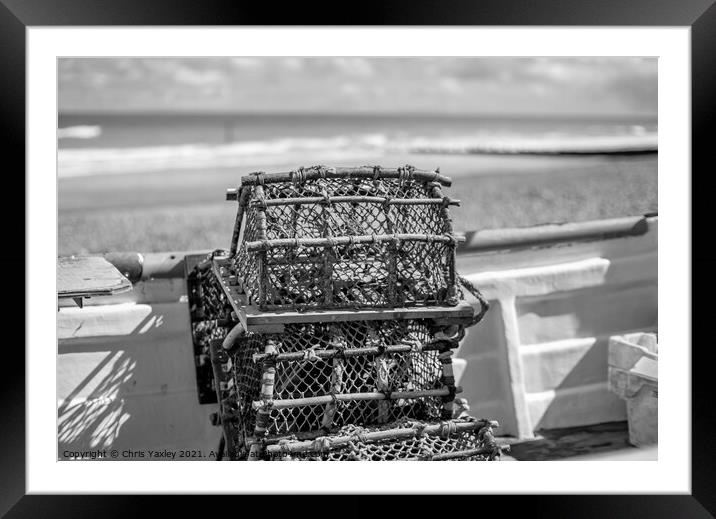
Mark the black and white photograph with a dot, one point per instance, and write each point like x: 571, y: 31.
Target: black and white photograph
x: 292, y: 258
x: 394, y: 232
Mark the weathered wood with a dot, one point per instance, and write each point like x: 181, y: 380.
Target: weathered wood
x: 348, y: 397
x: 360, y: 172
x: 337, y: 381
x: 219, y: 377
x: 261, y: 227
x: 238, y: 301
x: 252, y: 316
x: 267, y: 328
x: 357, y: 352
x: 338, y: 442
x: 231, y: 194
x: 255, y: 320
x: 268, y: 379
x: 448, y: 379
x: 89, y: 276
x: 448, y: 229
x: 242, y: 197
x: 468, y: 453
x: 452, y: 321
x: 345, y: 240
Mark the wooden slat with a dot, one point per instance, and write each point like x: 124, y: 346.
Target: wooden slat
x: 338, y: 442
x: 238, y: 300
x: 346, y: 240
x: 356, y: 352
x: 351, y: 397
x: 89, y: 276
x: 255, y: 320
x: 232, y: 194
x: 252, y: 316
x: 343, y: 172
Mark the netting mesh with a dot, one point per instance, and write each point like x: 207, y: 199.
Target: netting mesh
x: 340, y: 389
x: 353, y: 443
x: 246, y: 377
x: 350, y: 217
x: 208, y: 306
x: 207, y: 300
x: 407, y: 260
x: 337, y: 371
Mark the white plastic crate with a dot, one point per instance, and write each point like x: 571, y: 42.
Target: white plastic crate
x: 633, y: 376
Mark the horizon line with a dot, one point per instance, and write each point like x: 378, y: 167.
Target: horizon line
x: 228, y: 113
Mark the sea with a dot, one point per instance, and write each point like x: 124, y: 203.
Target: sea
x: 95, y: 144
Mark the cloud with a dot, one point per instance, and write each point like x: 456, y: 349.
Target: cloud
x: 450, y: 85
x: 293, y: 64
x: 197, y: 77
x: 360, y: 67
x: 350, y: 89
x: 99, y: 79
x: 550, y: 85
x: 247, y: 63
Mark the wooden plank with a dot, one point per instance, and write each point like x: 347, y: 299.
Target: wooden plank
x: 452, y: 321
x: 252, y: 316
x: 355, y: 352
x: 345, y: 199
x: 338, y: 442
x: 350, y: 397
x: 343, y: 172
x: 349, y: 240
x: 267, y: 328
x: 255, y: 320
x: 89, y: 276
x: 238, y: 300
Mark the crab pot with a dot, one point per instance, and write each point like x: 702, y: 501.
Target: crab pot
x: 318, y: 377
x: 331, y: 322
x: 344, y: 238
x: 407, y: 440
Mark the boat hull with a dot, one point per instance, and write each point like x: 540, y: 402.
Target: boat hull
x: 126, y: 379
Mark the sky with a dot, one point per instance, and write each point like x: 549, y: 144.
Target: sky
x: 441, y: 85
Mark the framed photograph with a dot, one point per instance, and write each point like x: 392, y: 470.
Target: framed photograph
x: 426, y: 236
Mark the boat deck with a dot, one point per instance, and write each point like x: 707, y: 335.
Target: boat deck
x: 596, y: 441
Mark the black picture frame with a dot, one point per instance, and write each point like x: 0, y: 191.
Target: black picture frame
x: 700, y: 15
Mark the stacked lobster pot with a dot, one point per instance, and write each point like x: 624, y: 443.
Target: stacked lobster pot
x: 331, y: 322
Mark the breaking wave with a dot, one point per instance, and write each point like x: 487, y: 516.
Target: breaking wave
x: 79, y: 132
x: 93, y: 161
x: 547, y: 144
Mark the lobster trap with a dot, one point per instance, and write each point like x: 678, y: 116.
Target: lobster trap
x: 344, y: 238
x: 323, y: 336
x: 405, y: 440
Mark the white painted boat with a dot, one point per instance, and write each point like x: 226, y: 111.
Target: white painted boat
x: 126, y: 377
